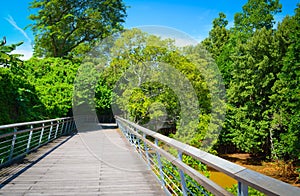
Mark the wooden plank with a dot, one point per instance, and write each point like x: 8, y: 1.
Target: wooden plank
x: 90, y: 163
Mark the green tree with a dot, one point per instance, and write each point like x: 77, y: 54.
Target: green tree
x: 18, y: 99
x: 53, y: 79
x: 70, y: 27
x: 219, y: 45
x: 249, y: 64
x: 256, y: 15
x: 6, y: 58
x: 147, y: 95
x: 286, y: 91
x: 218, y: 36
x: 254, y: 74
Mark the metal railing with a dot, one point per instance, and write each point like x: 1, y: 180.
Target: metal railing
x: 19, y: 139
x: 177, y: 178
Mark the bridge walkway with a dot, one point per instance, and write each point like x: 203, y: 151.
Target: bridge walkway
x: 100, y: 162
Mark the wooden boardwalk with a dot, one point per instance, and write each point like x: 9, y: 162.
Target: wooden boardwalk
x: 91, y: 163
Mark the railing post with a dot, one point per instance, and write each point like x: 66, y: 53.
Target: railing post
x: 49, y: 136
x: 13, y: 144
x: 162, y: 180
x: 42, y: 133
x: 29, y: 139
x: 182, y: 178
x: 62, y: 127
x: 139, y: 144
x: 242, y: 189
x: 73, y: 125
x: 70, y: 127
x: 128, y: 135
x: 66, y: 127
x: 133, y: 137
x: 56, y: 130
x: 146, y: 151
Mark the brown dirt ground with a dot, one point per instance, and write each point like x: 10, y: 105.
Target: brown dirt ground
x: 279, y: 170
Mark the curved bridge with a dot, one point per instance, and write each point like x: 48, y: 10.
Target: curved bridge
x: 50, y: 158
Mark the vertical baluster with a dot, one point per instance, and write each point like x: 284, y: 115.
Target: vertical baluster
x: 71, y: 126
x: 133, y: 137
x: 68, y: 127
x: 42, y: 133
x: 146, y: 151
x: 56, y: 130
x: 62, y: 127
x: 162, y: 179
x: 49, y: 136
x: 74, y: 125
x: 13, y: 144
x: 242, y: 189
x: 139, y: 143
x: 128, y: 135
x: 182, y: 178
x: 123, y: 130
x: 29, y: 139
x: 65, y: 127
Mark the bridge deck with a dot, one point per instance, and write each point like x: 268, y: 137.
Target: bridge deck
x: 90, y: 163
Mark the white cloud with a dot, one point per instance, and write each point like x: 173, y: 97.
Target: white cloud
x: 278, y: 19
x: 181, y: 38
x: 11, y: 20
x: 230, y: 24
x: 200, y: 38
x: 26, y: 48
x: 27, y: 54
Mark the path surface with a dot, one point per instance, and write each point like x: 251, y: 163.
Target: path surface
x: 91, y: 163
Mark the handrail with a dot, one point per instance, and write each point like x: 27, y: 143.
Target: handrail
x: 31, y: 123
x: 20, y: 139
x: 213, y: 187
x: 244, y: 176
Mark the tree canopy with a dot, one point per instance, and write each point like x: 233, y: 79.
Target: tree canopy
x: 69, y: 27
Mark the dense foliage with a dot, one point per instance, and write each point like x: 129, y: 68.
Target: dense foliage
x: 69, y: 27
x: 18, y: 99
x: 259, y: 64
x: 53, y: 80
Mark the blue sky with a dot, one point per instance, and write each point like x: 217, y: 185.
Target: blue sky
x: 193, y: 17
